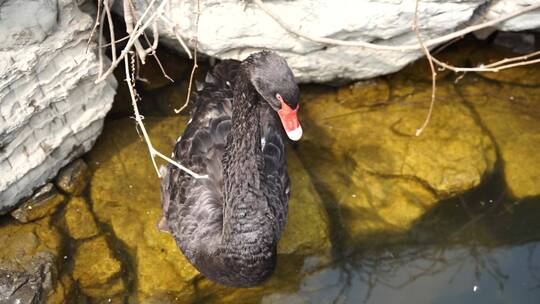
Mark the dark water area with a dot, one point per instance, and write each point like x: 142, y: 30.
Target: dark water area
x: 479, y: 247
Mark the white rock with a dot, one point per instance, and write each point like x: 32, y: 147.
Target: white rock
x: 50, y: 109
x: 234, y: 29
x: 520, y: 23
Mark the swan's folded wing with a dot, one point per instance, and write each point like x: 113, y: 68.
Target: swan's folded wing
x: 275, y: 162
x: 194, y: 207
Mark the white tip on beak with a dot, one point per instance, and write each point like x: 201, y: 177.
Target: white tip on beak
x: 295, y: 134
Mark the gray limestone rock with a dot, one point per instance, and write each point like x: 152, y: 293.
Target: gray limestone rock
x: 51, y: 111
x: 234, y: 29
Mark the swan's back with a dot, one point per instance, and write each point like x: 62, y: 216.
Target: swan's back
x: 194, y: 207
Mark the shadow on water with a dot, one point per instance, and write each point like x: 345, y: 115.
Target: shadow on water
x: 481, y: 246
x: 466, y: 249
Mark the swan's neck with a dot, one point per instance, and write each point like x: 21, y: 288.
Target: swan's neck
x: 246, y: 216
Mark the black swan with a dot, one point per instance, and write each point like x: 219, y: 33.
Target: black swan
x: 228, y: 224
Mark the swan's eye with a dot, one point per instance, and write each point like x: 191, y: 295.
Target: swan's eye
x: 278, y: 97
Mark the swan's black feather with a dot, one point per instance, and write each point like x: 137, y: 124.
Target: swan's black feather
x: 194, y: 208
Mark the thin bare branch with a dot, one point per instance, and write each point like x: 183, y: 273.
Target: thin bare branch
x: 138, y: 30
x: 431, y: 66
x: 129, y: 17
x: 500, y: 65
x: 161, y: 67
x: 96, y: 24
x: 100, y: 43
x: 117, y: 40
x: 106, y: 5
x: 138, y: 118
x: 177, y: 35
x: 194, y: 59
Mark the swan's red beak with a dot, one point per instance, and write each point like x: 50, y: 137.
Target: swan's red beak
x: 290, y: 121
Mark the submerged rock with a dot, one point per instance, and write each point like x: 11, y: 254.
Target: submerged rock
x: 511, y: 114
x: 28, y: 284
x: 450, y: 156
x: 73, y: 178
x: 28, y: 261
x: 125, y: 195
x: 306, y: 231
x: 376, y: 206
x: 373, y: 92
x: 383, y: 177
x: 96, y: 269
x: 79, y: 220
x: 44, y: 202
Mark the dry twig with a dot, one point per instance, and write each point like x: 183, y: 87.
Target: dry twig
x: 194, y: 59
x: 495, y: 67
x: 431, y: 66
x: 138, y: 118
x: 136, y: 28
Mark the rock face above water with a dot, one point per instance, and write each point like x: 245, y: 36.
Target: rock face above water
x: 234, y: 29
x: 51, y: 111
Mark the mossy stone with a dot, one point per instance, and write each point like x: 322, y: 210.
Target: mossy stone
x: 44, y: 202
x: 72, y: 178
x: 96, y: 270
x: 79, y: 220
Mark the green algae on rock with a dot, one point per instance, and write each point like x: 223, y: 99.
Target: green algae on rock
x: 306, y: 231
x: 79, y: 221
x: 512, y: 115
x: 451, y: 156
x: 44, y: 202
x: 62, y: 291
x: 72, y: 178
x: 370, y: 207
x: 384, y: 206
x: 96, y: 269
x: 382, y: 176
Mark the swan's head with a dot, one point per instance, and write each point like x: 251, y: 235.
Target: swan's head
x: 274, y: 81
